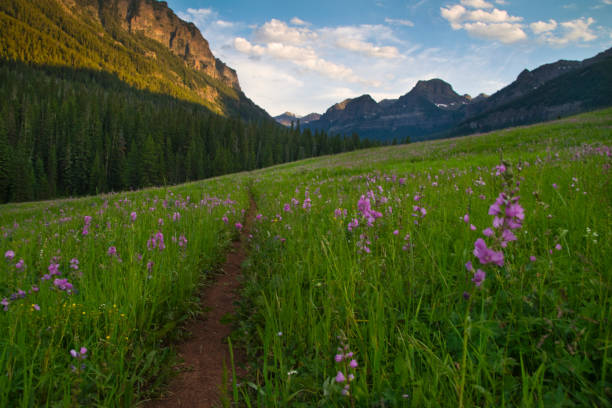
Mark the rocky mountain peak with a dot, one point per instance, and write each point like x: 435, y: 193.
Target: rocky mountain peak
x: 438, y: 92
x: 362, y: 106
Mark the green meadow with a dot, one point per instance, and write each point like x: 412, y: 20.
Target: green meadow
x: 465, y: 272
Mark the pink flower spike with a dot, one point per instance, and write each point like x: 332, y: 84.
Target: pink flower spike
x: 472, y: 227
x: 532, y: 258
x: 9, y: 255
x: 353, y: 363
x: 338, y: 358
x: 558, y: 247
x: 340, y: 378
x: 466, y: 218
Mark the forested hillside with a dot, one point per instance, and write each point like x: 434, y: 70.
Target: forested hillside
x: 70, y: 132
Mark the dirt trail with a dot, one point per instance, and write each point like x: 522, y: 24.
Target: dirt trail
x: 206, y: 352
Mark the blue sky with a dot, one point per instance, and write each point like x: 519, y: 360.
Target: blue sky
x: 303, y: 57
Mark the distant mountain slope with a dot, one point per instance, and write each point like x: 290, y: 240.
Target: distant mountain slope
x: 287, y: 118
x: 142, y: 42
x: 431, y: 106
x: 433, y: 109
x: 548, y: 92
x: 581, y: 89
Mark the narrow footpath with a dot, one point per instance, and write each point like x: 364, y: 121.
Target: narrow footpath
x: 206, y: 352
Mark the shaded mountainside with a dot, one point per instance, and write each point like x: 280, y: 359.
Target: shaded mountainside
x: 433, y: 109
x: 582, y: 89
x: 431, y: 106
x: 142, y: 42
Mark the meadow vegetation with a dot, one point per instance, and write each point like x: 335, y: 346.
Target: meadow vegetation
x: 462, y: 272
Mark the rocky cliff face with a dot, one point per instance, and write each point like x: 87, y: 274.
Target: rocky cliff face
x: 155, y: 20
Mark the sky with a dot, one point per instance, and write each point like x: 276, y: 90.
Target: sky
x: 305, y: 56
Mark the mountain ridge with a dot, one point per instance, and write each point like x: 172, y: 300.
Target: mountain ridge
x: 433, y: 109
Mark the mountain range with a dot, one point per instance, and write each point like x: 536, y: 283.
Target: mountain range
x: 288, y: 118
x: 433, y: 109
x: 142, y: 42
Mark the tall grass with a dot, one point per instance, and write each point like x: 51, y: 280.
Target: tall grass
x: 536, y: 332
x: 344, y: 303
x: 122, y: 307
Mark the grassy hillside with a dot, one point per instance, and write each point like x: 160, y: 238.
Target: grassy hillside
x: 356, y: 292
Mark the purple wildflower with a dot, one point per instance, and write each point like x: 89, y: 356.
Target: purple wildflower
x: 479, y: 277
x: 9, y: 255
x: 340, y: 378
x: 488, y: 232
x: 63, y: 284
x: 486, y: 255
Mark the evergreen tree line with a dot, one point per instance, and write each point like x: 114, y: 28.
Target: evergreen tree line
x: 66, y: 132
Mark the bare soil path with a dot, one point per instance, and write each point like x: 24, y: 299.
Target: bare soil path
x: 206, y: 353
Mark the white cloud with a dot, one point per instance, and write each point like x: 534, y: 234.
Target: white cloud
x: 608, y: 2
x: 454, y: 15
x: 244, y: 46
x: 540, y: 27
x: 501, y: 2
x: 304, y: 58
x: 478, y: 4
x: 495, y: 25
x: 503, y: 32
x: 365, y: 32
x: 278, y: 31
x: 367, y: 48
x: 574, y: 31
x: 299, y: 22
x: 398, y: 21
x: 458, y: 14
x: 224, y: 24
x: 197, y: 16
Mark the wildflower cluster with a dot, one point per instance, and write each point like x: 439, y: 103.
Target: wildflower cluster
x: 79, y: 355
x: 508, y: 215
x: 347, y: 366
